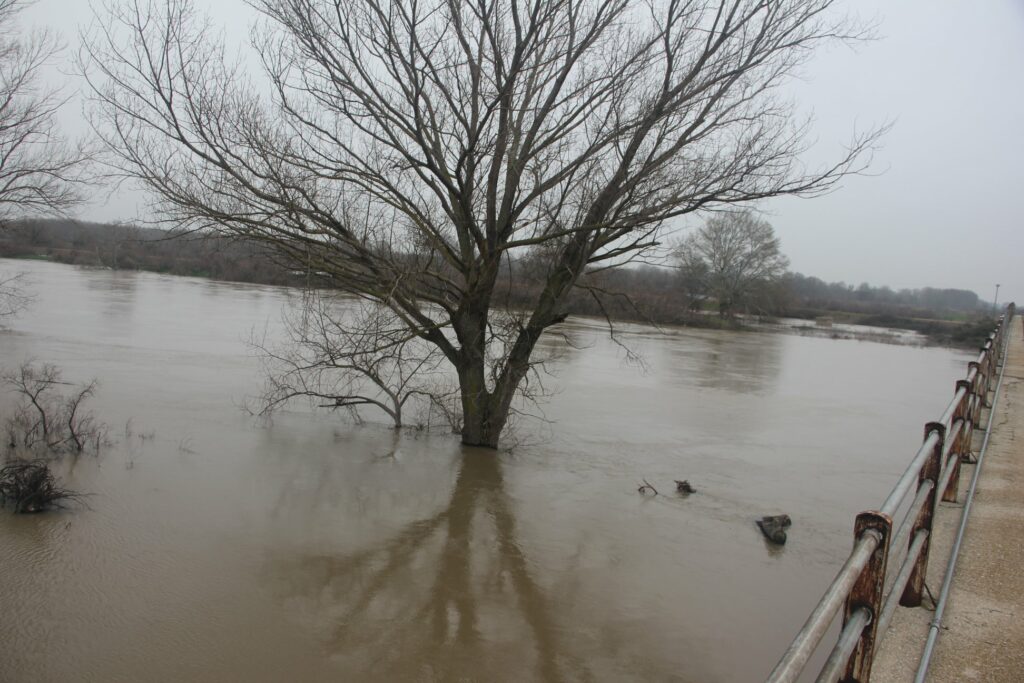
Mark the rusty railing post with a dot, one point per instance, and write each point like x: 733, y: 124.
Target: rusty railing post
x: 978, y: 390
x: 988, y: 366
x: 949, y: 495
x: 963, y: 444
x: 986, y: 380
x: 931, y: 470
x: 867, y: 593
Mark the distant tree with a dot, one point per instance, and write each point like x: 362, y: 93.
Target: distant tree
x: 693, y: 282
x: 410, y: 149
x: 735, y: 256
x: 948, y: 299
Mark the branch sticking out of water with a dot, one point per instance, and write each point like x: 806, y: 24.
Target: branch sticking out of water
x: 50, y: 419
x: 647, y: 486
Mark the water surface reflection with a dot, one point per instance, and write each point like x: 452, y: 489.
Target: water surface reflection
x: 447, y: 597
x: 216, y: 548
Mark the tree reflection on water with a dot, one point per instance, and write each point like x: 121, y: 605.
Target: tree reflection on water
x: 446, y: 597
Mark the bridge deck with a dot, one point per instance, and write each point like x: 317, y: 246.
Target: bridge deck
x: 982, y: 636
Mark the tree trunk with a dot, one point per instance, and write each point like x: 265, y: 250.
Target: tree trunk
x: 479, y: 426
x: 485, y: 413
x: 481, y: 423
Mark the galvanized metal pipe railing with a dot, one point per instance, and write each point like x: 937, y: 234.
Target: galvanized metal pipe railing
x: 909, y: 477
x: 903, y: 533
x: 949, y: 459
x: 849, y: 637
x: 954, y: 405
x: 902, y: 579
x: 947, y: 580
x: 806, y: 642
x: 860, y: 586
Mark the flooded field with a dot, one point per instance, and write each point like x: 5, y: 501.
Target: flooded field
x: 216, y: 547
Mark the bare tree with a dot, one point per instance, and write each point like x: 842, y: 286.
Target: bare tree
x: 407, y: 148
x: 47, y: 420
x: 347, y: 354
x: 734, y: 257
x: 39, y: 170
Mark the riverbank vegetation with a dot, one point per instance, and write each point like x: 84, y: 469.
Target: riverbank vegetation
x: 668, y: 296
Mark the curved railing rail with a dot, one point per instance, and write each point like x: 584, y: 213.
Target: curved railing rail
x: 866, y: 587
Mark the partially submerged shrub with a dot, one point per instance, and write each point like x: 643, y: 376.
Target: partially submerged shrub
x: 47, y: 420
x: 30, y: 486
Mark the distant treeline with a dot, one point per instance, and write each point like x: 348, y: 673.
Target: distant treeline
x: 814, y: 293
x: 132, y: 248
x: 643, y: 293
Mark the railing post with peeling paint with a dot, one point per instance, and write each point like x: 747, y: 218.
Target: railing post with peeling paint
x: 859, y: 589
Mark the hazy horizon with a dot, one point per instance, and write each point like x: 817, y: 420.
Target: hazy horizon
x: 937, y: 208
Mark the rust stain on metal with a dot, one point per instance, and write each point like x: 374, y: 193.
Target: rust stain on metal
x: 868, y: 593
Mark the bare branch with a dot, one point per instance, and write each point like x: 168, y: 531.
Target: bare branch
x: 46, y: 421
x: 407, y: 150
x: 345, y: 353
x: 40, y: 172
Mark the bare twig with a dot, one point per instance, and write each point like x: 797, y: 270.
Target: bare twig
x: 47, y: 420
x: 346, y: 353
x: 647, y: 486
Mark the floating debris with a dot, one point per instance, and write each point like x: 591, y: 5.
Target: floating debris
x: 684, y: 487
x: 774, y: 527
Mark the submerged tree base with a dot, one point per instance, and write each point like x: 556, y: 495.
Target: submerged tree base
x: 30, y: 486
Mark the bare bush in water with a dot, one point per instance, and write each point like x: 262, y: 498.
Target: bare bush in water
x: 50, y: 417
x: 29, y: 486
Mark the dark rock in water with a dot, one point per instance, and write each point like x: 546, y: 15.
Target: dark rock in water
x: 781, y: 520
x: 684, y: 487
x: 774, y: 528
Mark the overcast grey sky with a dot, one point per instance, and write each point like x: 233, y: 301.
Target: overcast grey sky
x: 945, y: 208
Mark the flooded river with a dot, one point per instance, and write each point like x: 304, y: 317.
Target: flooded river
x: 219, y: 548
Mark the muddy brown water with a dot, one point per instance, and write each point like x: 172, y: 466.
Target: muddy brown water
x: 218, y: 548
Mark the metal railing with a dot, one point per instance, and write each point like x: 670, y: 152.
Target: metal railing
x: 864, y: 587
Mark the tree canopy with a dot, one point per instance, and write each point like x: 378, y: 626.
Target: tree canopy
x: 733, y: 257
x: 39, y: 170
x: 409, y: 148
